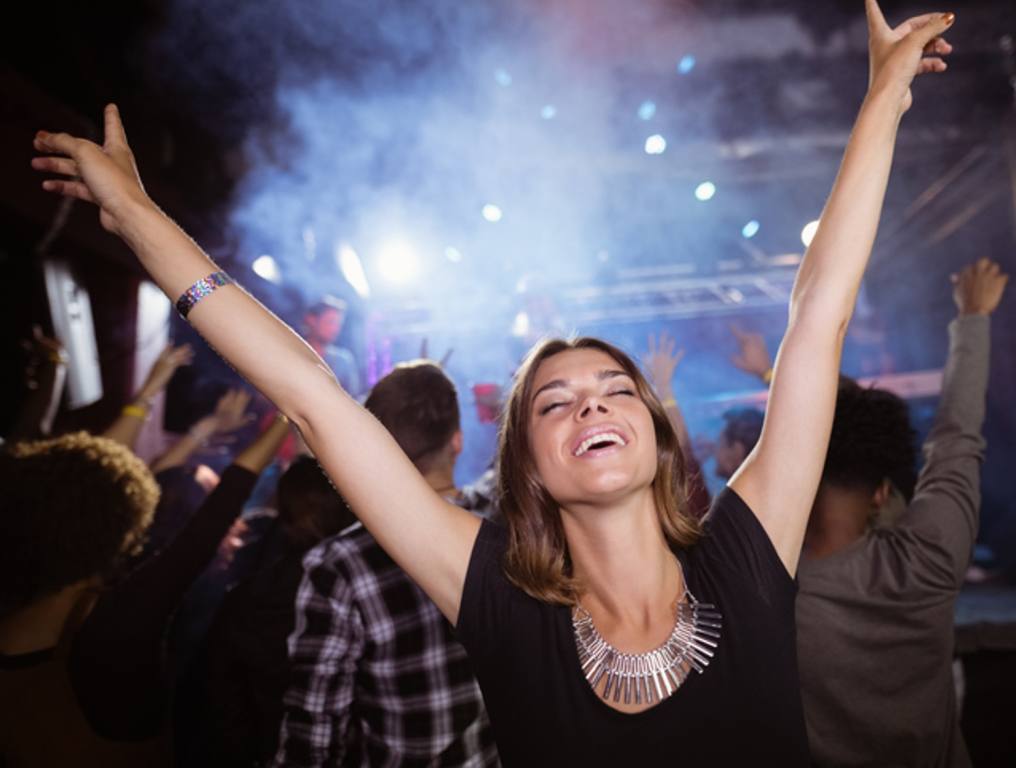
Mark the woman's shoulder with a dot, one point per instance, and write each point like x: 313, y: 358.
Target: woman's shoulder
x: 734, y: 540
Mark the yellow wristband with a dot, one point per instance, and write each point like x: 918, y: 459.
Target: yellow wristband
x: 767, y: 377
x: 669, y: 403
x: 136, y: 411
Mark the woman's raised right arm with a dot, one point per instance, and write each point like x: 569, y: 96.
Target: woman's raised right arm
x: 430, y: 538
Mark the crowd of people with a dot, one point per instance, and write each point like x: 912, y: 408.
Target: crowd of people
x: 585, y: 601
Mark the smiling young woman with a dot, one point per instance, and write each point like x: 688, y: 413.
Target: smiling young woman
x: 605, y: 628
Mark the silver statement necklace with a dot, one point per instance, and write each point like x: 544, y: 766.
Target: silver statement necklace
x: 654, y: 675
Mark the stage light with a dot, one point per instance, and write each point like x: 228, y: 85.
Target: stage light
x: 502, y: 78
x: 453, y: 254
x: 808, y: 233
x: 397, y: 261
x: 705, y: 191
x: 492, y: 213
x: 265, y: 267
x: 655, y: 145
x: 549, y: 112
x: 686, y: 64
x: 647, y: 109
x: 520, y: 326
x: 352, y: 269
x: 750, y: 229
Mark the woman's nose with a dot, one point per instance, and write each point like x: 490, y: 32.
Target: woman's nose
x: 592, y: 405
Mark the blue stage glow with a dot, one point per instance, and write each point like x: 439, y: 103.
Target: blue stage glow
x: 686, y: 64
x: 549, y: 112
x: 502, y: 77
x: 750, y: 229
x: 647, y: 109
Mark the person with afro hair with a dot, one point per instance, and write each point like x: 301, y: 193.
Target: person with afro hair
x: 875, y: 604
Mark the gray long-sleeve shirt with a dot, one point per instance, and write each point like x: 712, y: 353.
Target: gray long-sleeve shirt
x: 875, y: 620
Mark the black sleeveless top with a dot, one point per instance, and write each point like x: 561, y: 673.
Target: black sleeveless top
x: 745, y: 708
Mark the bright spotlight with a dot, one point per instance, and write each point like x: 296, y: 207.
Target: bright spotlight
x: 808, y: 233
x: 492, y: 213
x: 549, y: 112
x: 397, y: 261
x: 705, y: 191
x: 502, y: 77
x: 655, y: 144
x: 453, y: 254
x: 266, y: 268
x: 352, y: 269
x: 686, y: 64
x: 750, y: 229
x: 647, y: 109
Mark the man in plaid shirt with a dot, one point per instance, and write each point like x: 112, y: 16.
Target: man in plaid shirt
x: 376, y: 676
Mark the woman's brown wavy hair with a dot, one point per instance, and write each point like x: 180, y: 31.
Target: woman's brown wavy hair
x: 537, y: 559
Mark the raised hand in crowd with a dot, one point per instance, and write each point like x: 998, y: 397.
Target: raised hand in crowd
x: 978, y: 288
x: 127, y: 427
x: 45, y: 376
x: 752, y: 355
x: 661, y: 361
x: 230, y: 414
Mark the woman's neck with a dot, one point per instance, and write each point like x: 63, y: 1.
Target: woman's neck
x: 621, y: 558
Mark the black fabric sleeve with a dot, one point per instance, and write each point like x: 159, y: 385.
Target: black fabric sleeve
x: 735, y: 539
x: 487, y: 595
x: 116, y: 661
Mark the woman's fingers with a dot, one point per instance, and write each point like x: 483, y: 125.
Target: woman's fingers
x: 931, y: 64
x: 69, y: 189
x: 938, y: 45
x: 57, y: 143
x: 115, y: 133
x: 61, y: 165
x: 876, y: 21
x: 915, y: 22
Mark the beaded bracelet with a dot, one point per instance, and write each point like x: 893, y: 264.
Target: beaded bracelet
x: 767, y: 376
x: 199, y: 290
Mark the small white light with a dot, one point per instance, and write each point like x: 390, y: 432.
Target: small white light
x: 647, y: 109
x: 492, y: 213
x: 808, y: 233
x: 398, y: 262
x: 502, y: 77
x: 520, y: 326
x: 453, y: 254
x: 655, y: 144
x: 750, y: 229
x: 705, y: 191
x: 265, y: 267
x: 686, y: 64
x: 549, y: 112
x: 352, y: 269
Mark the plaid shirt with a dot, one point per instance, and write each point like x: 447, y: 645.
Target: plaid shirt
x: 376, y: 677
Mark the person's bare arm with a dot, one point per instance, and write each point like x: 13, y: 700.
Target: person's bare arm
x: 780, y: 477
x: 259, y: 454
x: 46, y: 376
x: 127, y: 426
x: 430, y: 538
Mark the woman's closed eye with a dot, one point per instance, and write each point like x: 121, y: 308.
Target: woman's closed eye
x: 545, y: 409
x: 629, y: 392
